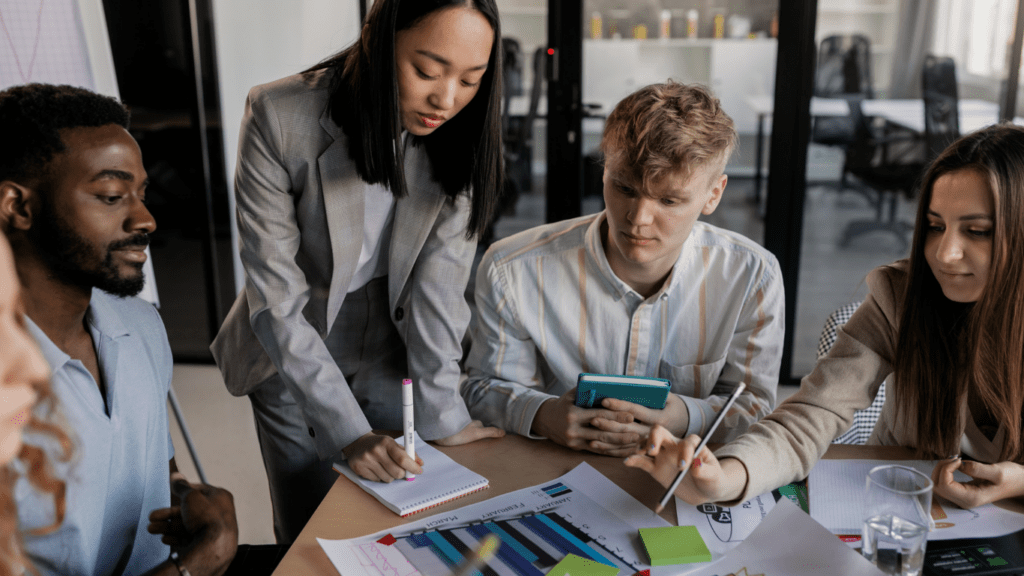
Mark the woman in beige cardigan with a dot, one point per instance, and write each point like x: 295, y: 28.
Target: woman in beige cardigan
x: 947, y: 324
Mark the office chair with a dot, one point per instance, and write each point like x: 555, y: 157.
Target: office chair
x: 881, y: 176
x: 863, y: 420
x: 843, y: 70
x: 941, y: 104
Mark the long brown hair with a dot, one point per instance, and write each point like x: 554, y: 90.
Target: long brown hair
x: 945, y: 350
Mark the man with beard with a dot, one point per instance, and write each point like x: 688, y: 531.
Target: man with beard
x: 72, y: 202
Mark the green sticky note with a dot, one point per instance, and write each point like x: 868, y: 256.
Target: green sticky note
x: 674, y: 545
x: 573, y: 565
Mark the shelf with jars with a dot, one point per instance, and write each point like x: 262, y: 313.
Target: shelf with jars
x: 733, y: 68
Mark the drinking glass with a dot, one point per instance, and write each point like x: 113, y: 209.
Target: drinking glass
x: 899, y: 501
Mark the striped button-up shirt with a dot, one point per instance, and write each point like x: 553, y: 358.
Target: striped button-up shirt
x: 550, y: 307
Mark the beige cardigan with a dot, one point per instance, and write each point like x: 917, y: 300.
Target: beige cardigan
x: 785, y: 445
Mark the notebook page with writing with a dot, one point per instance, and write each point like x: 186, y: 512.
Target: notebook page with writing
x: 443, y: 479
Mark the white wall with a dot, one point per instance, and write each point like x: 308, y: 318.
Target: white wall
x: 262, y: 40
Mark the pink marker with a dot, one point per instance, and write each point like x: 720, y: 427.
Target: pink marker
x: 407, y: 422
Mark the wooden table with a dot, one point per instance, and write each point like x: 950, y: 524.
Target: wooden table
x: 510, y: 463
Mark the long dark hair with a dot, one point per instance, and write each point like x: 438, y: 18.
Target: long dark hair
x: 464, y: 153
x: 946, y: 350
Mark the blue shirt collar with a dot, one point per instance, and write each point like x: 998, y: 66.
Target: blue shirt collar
x: 101, y: 318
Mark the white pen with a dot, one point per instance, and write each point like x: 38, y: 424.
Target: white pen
x: 407, y: 422
x: 721, y: 416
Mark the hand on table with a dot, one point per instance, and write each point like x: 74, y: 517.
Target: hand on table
x: 202, y: 528
x: 473, y: 431
x: 990, y: 482
x: 675, y: 417
x: 565, y: 423
x: 708, y: 480
x: 378, y: 457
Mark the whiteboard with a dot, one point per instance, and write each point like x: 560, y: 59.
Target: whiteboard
x: 61, y: 42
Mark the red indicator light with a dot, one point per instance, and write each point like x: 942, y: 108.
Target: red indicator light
x: 551, y: 51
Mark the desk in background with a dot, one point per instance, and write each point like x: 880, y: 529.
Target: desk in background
x: 510, y: 463
x: 908, y: 113
x: 763, y: 105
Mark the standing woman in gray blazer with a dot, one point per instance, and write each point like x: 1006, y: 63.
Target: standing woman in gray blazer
x: 361, y: 186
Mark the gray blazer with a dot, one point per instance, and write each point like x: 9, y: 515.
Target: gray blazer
x: 300, y: 222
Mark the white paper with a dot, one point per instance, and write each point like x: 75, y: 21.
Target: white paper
x: 836, y: 491
x: 723, y: 528
x: 442, y: 479
x: 368, y: 558
x: 593, y: 504
x: 790, y: 542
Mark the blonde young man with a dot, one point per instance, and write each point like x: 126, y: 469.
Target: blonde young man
x: 641, y: 288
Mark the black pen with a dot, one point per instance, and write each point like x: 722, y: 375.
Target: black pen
x: 721, y: 416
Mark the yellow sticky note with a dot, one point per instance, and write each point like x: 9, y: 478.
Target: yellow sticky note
x: 573, y: 565
x: 674, y: 545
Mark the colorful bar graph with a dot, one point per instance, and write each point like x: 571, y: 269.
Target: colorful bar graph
x: 568, y: 527
x: 530, y: 545
x: 543, y: 558
x: 448, y: 553
x: 507, y: 539
x: 565, y: 542
x: 573, y: 539
x: 461, y: 547
x: 511, y: 553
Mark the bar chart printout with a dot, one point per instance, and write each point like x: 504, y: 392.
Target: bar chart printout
x: 530, y: 546
x: 581, y: 513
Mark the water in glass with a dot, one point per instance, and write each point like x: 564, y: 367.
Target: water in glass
x: 894, y: 545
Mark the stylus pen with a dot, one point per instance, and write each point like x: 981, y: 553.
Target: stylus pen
x: 714, y: 425
x: 407, y: 424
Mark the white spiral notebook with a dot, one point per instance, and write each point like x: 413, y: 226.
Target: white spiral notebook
x: 443, y: 480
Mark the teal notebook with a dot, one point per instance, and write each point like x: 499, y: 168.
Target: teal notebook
x: 643, y: 390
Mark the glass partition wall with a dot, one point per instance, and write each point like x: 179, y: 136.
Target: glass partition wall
x: 727, y: 45
x: 826, y: 95
x: 881, y: 68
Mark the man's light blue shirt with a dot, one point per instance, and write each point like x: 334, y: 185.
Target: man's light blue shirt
x: 119, y: 471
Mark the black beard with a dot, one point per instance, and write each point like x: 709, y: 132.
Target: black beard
x: 69, y: 256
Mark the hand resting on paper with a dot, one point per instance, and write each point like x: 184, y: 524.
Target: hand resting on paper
x: 675, y: 417
x: 708, y: 480
x: 560, y: 420
x: 990, y: 482
x: 379, y: 457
